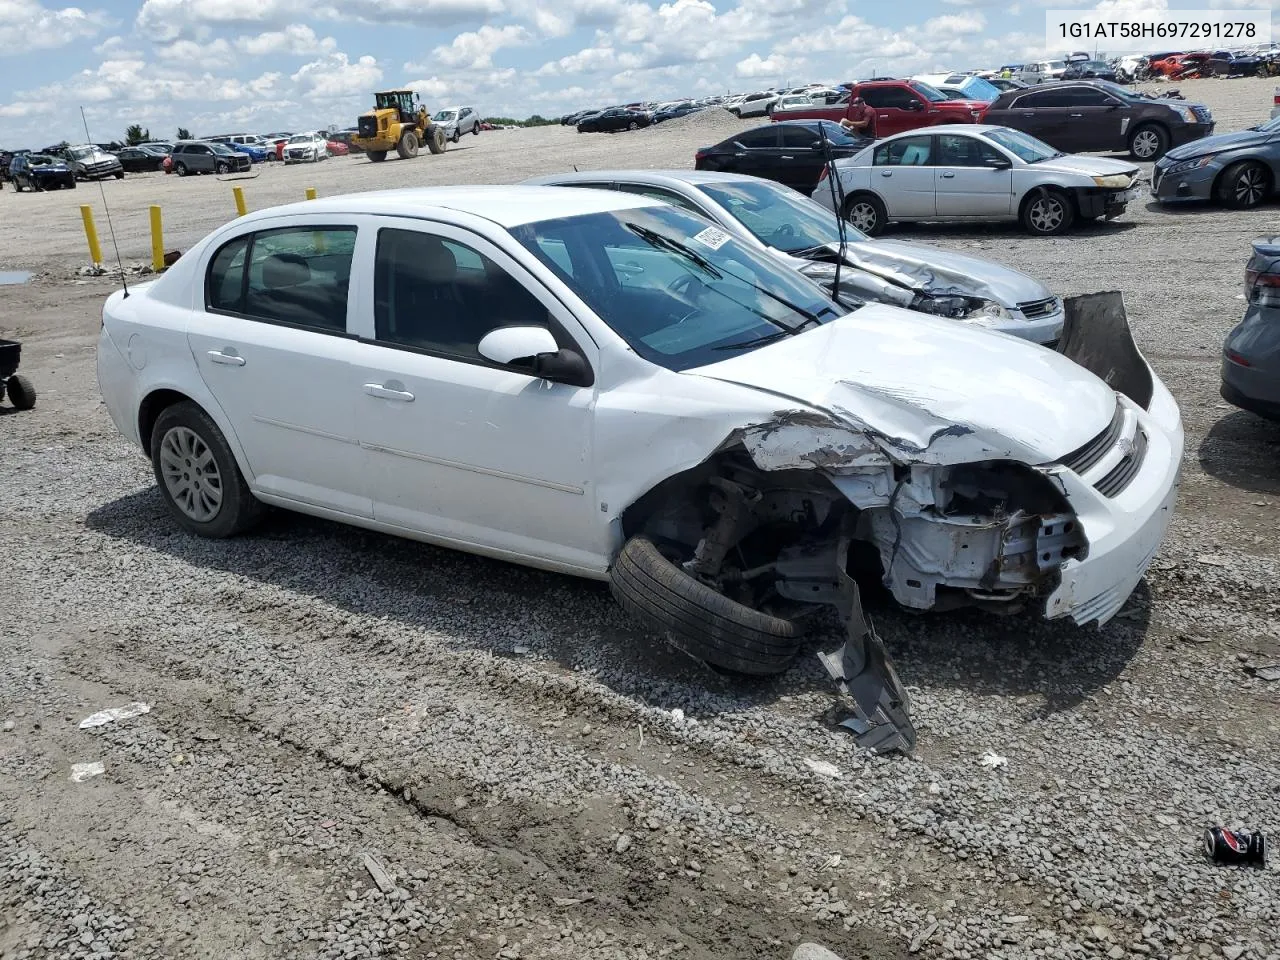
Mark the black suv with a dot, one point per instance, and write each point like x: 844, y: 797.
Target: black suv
x: 1093, y: 115
x: 199, y: 156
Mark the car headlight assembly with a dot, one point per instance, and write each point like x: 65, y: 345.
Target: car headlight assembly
x: 989, y: 313
x: 1114, y: 181
x: 1186, y: 113
x: 1186, y: 166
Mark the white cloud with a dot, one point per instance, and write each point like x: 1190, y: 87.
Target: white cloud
x: 297, y: 40
x: 771, y: 66
x: 474, y: 50
x: 201, y: 55
x: 25, y: 26
x: 336, y: 76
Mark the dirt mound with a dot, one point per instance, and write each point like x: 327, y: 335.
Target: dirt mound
x: 713, y: 120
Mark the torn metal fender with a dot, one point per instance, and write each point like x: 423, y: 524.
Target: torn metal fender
x: 1096, y: 335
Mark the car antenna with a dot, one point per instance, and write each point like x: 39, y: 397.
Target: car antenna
x: 106, y: 209
x: 837, y: 206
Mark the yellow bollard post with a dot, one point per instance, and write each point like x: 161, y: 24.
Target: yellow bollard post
x: 241, y: 209
x: 311, y: 193
x: 91, y: 232
x: 157, y: 241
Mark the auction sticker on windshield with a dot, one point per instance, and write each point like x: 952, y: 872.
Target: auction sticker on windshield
x: 713, y: 238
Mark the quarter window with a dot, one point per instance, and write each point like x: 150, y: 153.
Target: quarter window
x: 763, y: 137
x: 443, y: 296
x: 295, y: 276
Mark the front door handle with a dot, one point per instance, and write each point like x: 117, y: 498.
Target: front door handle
x: 391, y: 390
x: 946, y: 176
x: 886, y: 173
x: 1077, y: 114
x: 785, y: 157
x: 227, y: 356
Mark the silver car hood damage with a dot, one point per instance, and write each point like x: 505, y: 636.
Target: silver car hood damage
x: 929, y: 270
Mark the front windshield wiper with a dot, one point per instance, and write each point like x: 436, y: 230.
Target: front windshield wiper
x: 1052, y: 156
x: 656, y: 239
x: 661, y: 240
x: 769, y: 337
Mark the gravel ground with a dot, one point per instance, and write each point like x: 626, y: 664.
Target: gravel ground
x: 530, y: 777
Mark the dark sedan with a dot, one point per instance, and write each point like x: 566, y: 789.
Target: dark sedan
x: 1239, y: 170
x: 1079, y: 116
x: 140, y: 159
x: 675, y: 111
x: 1089, y: 70
x: 1251, y: 353
x: 39, y: 171
x: 615, y: 119
x: 792, y: 152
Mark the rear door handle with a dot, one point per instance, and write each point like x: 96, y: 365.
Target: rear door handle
x: 785, y: 157
x: 886, y: 173
x: 231, y: 358
x: 946, y: 176
x: 1077, y: 114
x: 391, y: 390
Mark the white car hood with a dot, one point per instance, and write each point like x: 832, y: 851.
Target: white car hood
x: 1086, y: 166
x: 929, y: 269
x: 932, y: 391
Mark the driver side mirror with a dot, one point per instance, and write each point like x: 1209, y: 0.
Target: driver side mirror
x: 536, y: 349
x: 998, y: 163
x: 914, y: 105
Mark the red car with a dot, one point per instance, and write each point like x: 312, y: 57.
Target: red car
x: 899, y: 105
x: 1170, y: 67
x: 337, y: 148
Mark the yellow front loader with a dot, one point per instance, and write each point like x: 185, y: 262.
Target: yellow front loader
x: 397, y: 122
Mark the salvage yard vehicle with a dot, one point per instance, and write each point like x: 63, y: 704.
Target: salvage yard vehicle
x: 305, y: 148
x: 197, y: 156
x: 898, y: 104
x: 458, y: 120
x: 1042, y: 71
x: 39, y: 171
x: 1094, y: 115
x: 808, y: 238
x: 636, y: 396
x: 89, y: 162
x: 141, y: 159
x: 1238, y: 170
x: 793, y: 152
x: 12, y: 384
x: 615, y: 119
x: 397, y: 122
x: 978, y: 172
x: 1251, y: 353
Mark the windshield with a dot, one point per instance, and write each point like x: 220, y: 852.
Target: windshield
x: 221, y: 148
x: 39, y: 160
x: 1022, y: 145
x: 444, y: 115
x: 1115, y: 90
x: 978, y: 89
x: 679, y: 291
x: 929, y: 93
x: 778, y: 216
x: 79, y: 153
x: 301, y: 138
x: 1057, y: 65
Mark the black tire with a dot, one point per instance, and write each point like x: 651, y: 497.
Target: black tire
x: 866, y: 212
x: 437, y: 143
x: 1148, y: 142
x: 408, y: 145
x: 457, y: 135
x: 239, y: 509
x: 21, y: 393
x: 377, y: 156
x: 119, y: 175
x: 180, y: 168
x: 736, y: 112
x: 633, y: 125
x: 221, y: 167
x: 71, y: 185
x: 696, y: 619
x: 475, y: 130
x: 1243, y: 185
x: 1047, y: 213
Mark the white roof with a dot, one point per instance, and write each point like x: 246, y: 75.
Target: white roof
x: 507, y: 206
x: 654, y: 178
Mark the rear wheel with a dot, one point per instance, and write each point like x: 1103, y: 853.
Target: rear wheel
x: 1243, y: 185
x: 408, y: 145
x: 866, y: 212
x: 633, y: 125
x: 21, y: 393
x: 698, y: 620
x: 1048, y: 213
x: 377, y: 156
x: 119, y: 174
x: 475, y: 130
x: 198, y: 475
x: 180, y: 168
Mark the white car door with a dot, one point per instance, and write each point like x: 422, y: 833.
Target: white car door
x: 458, y: 449
x: 972, y: 178
x: 903, y: 176
x: 272, y: 346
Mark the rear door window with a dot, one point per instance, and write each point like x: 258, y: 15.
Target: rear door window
x: 905, y: 152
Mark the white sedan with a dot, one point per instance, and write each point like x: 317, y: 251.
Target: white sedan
x: 977, y: 172
x: 306, y: 148
x: 603, y: 384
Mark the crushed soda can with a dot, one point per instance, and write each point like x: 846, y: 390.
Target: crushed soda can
x: 1235, y: 846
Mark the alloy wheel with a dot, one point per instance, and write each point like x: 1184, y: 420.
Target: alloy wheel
x: 191, y: 474
x: 1046, y: 214
x: 863, y: 216
x: 1146, y: 144
x: 1250, y: 187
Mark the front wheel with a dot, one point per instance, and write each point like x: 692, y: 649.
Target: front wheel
x: 198, y: 476
x: 696, y: 619
x: 377, y: 156
x: 1243, y: 185
x: 221, y: 167
x: 180, y: 169
x: 408, y: 145
x: 119, y: 174
x: 1048, y: 213
x: 475, y: 131
x: 867, y: 213
x: 1148, y: 142
x: 456, y: 137
x: 436, y: 140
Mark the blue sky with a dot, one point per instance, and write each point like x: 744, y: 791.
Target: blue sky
x: 218, y: 66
